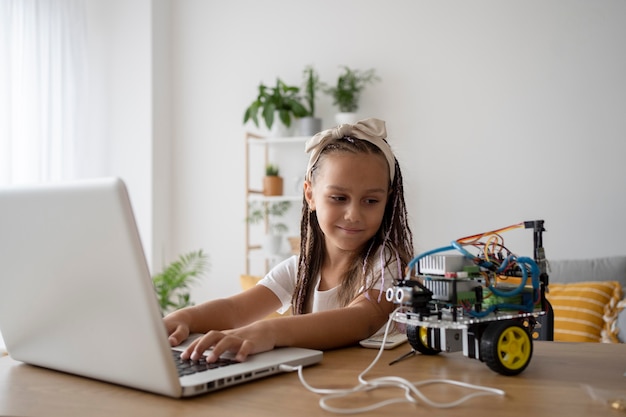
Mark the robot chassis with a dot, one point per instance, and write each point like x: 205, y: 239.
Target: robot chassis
x: 490, y: 306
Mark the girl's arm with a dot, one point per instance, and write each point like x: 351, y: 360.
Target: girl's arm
x: 221, y: 314
x: 322, y: 330
x: 335, y: 328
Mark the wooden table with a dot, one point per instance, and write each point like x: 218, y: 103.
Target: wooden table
x: 550, y: 386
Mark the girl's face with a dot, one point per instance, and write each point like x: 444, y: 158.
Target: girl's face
x: 349, y: 195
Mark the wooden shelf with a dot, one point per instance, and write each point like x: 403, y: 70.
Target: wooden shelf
x: 254, y: 251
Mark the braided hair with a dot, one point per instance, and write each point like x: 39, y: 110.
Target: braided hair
x: 394, y: 237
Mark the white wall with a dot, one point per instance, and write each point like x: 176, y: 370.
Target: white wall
x: 500, y: 112
x: 129, y: 44
x: 162, y: 139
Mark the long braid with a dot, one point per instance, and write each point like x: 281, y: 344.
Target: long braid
x: 303, y: 282
x: 401, y: 231
x: 308, y: 265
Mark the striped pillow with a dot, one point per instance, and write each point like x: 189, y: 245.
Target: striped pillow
x: 585, y: 311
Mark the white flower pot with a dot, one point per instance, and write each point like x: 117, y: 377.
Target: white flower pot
x: 279, y: 129
x: 309, y: 126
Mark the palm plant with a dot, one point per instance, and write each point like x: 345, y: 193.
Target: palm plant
x: 173, y: 283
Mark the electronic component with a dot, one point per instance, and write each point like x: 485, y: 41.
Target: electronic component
x: 441, y: 264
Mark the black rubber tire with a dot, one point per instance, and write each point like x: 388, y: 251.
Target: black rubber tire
x: 506, y: 347
x: 417, y: 339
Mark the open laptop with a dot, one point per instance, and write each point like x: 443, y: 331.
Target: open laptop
x: 76, y: 294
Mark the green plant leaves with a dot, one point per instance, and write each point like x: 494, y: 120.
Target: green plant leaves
x: 272, y: 170
x: 260, y: 210
x: 311, y: 85
x: 347, y: 92
x: 268, y: 114
x: 282, y: 98
x: 173, y: 283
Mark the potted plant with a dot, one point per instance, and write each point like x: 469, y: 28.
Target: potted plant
x: 172, y: 284
x: 269, y: 211
x: 272, y: 182
x: 346, y: 94
x: 282, y: 101
x: 310, y: 124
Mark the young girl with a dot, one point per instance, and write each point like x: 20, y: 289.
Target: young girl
x: 355, y: 240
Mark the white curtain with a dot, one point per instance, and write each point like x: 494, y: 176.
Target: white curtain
x: 43, y: 88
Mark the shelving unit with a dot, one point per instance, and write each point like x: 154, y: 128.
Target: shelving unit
x: 254, y: 250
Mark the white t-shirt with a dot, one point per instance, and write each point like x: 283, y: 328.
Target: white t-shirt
x: 281, y: 280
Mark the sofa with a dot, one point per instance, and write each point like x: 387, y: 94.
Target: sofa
x: 588, y: 300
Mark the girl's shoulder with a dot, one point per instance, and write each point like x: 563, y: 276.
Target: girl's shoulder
x: 287, y: 267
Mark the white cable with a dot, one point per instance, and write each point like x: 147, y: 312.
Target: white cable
x: 411, y: 390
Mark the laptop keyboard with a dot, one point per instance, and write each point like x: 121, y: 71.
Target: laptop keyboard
x: 189, y: 367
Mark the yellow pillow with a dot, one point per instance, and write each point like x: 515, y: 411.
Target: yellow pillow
x: 585, y: 311
x: 248, y: 281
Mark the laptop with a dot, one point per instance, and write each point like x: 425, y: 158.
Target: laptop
x: 76, y: 294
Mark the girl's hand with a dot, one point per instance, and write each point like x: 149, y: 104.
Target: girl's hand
x: 244, y: 341
x: 177, y: 329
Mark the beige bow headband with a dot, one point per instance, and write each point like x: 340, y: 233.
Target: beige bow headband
x: 371, y: 130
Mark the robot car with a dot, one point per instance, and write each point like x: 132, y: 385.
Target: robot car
x: 489, y: 304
